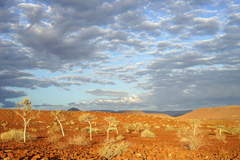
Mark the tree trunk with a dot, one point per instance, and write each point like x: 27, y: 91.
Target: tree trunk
x: 24, y: 130
x: 116, y: 129
x: 108, y: 130
x: 60, y: 126
x: 90, y: 130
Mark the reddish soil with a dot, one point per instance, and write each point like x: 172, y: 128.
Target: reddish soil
x: 228, y: 112
x: 135, y: 112
x: 143, y: 113
x: 165, y: 145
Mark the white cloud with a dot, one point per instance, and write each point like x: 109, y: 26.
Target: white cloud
x: 180, y: 53
x: 110, y: 93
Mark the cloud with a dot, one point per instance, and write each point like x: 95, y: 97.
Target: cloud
x: 33, y: 12
x: 191, y: 79
x: 174, y: 54
x: 77, y: 78
x: 205, y: 26
x: 25, y: 80
x: 46, y: 106
x: 110, y: 93
x: 133, y: 102
x: 8, y: 94
x: 7, y: 16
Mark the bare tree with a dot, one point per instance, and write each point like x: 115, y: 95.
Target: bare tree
x: 4, y: 125
x: 193, y: 136
x: 26, y: 107
x: 195, y: 124
x: 115, y: 124
x: 56, y: 116
x: 137, y: 126
x: 87, y: 118
x: 110, y: 121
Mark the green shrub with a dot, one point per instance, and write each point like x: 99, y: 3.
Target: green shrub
x: 147, y: 133
x: 112, y: 149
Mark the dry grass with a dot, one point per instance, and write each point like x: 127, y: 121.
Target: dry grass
x: 127, y: 127
x: 219, y: 137
x: 87, y: 129
x: 112, y: 149
x: 15, y: 134
x: 192, y: 136
x: 60, y: 145
x: 147, y: 133
x: 53, y: 138
x: 119, y: 137
x: 79, y: 140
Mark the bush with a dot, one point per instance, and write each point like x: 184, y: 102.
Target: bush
x: 221, y: 137
x: 79, y: 140
x: 192, y: 136
x: 112, y: 149
x: 119, y: 137
x: 86, y: 129
x: 14, y: 134
x: 169, y: 128
x: 127, y: 127
x: 53, y: 138
x: 147, y: 133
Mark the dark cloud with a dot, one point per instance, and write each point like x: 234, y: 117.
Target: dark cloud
x: 205, y: 26
x: 8, y: 94
x: 7, y: 16
x: 191, y: 79
x: 24, y: 80
x: 188, y: 51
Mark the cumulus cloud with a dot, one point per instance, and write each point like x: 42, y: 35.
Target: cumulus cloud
x: 174, y: 54
x: 83, y: 79
x: 8, y: 94
x: 124, y: 103
x: 110, y: 93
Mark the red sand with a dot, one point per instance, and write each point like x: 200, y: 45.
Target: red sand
x: 165, y: 145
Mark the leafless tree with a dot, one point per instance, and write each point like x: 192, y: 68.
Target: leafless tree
x: 26, y: 110
x: 87, y: 118
x: 59, y: 119
x: 111, y: 121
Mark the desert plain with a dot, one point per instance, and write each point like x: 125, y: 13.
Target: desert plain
x: 206, y: 133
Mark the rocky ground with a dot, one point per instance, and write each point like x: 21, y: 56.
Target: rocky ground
x: 169, y: 141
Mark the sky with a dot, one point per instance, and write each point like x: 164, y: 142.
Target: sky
x: 120, y: 54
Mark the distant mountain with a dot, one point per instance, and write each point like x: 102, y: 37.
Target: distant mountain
x: 73, y: 109
x: 170, y: 113
x: 227, y: 112
x: 135, y: 112
x: 111, y: 111
x: 176, y: 113
x: 144, y: 113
